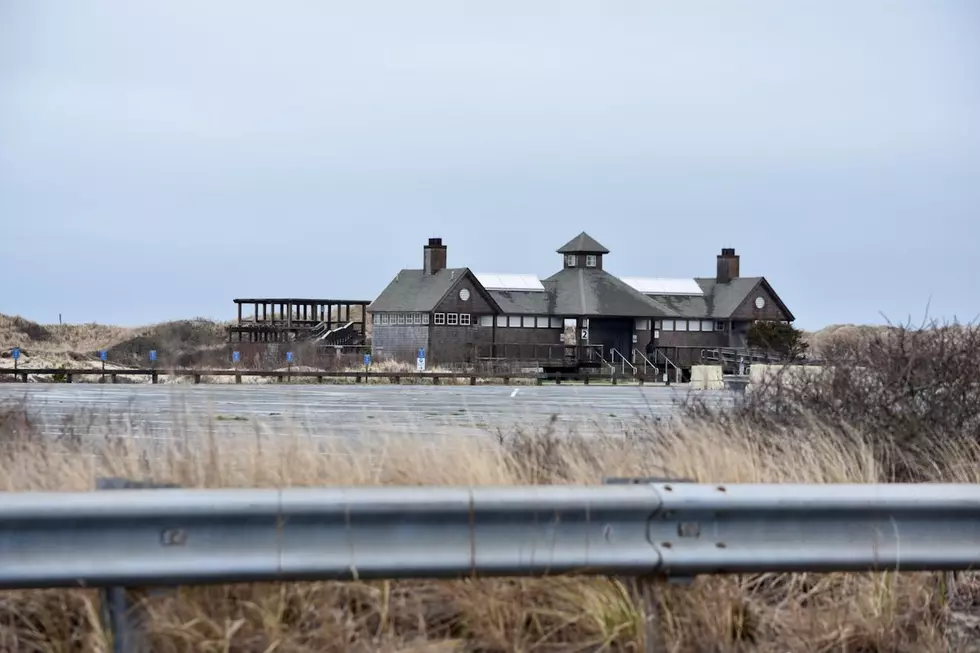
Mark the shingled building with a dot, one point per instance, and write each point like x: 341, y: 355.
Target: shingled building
x: 459, y: 316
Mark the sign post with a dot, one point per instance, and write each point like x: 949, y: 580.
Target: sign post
x: 16, y: 355
x: 421, y: 359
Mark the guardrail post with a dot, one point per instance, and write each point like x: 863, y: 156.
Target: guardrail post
x: 647, y: 593
x: 23, y: 377
x: 238, y: 379
x: 435, y: 380
x: 319, y: 378
x: 506, y: 380
x: 68, y: 378
x: 357, y: 378
x: 197, y: 378
x: 154, y: 378
x: 395, y: 379
x: 123, y: 620
x: 472, y: 380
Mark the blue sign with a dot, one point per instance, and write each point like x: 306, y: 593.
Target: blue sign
x: 367, y: 359
x: 422, y: 352
x: 289, y: 356
x: 16, y: 353
x: 236, y: 356
x: 104, y: 355
x: 153, y: 354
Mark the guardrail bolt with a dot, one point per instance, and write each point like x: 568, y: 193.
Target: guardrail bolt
x: 173, y: 537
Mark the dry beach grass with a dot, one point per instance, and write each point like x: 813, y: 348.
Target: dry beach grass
x: 778, y: 613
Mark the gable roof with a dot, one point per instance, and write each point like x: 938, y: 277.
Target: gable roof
x: 582, y: 244
x: 413, y: 291
x: 723, y: 299
x: 720, y: 300
x: 595, y: 292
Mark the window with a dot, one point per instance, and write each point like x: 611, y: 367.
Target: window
x: 425, y: 318
x: 657, y: 325
x: 452, y: 319
x: 464, y: 319
x: 668, y: 325
x: 543, y: 322
x: 501, y: 320
x: 642, y: 324
x: 590, y: 260
x: 694, y: 325
x: 585, y: 323
x: 401, y: 318
x: 439, y: 318
x: 680, y: 325
x: 719, y: 326
x: 557, y: 323
x: 514, y: 321
x: 707, y: 325
x: 374, y: 318
x: 417, y: 318
x: 570, y: 260
x: 486, y: 320
x: 529, y: 322
x: 384, y: 318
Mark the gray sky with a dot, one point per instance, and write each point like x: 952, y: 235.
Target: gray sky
x: 159, y: 159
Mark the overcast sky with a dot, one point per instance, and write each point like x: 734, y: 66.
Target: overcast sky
x: 158, y: 159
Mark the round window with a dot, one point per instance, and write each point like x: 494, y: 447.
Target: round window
x: 760, y: 302
x: 464, y: 294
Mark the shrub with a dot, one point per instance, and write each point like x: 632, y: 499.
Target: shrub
x: 907, y: 388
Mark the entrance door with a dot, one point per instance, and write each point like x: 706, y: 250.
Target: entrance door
x: 612, y: 334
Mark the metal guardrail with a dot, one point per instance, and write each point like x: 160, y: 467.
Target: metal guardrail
x: 168, y: 537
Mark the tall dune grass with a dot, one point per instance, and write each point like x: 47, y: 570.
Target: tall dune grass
x: 767, y: 613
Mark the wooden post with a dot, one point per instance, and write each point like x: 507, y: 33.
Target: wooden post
x: 197, y: 378
x: 114, y: 377
x: 154, y: 378
x: 68, y: 378
x: 238, y: 378
x: 472, y: 380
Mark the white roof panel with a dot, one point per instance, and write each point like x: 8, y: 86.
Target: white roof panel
x: 656, y: 286
x: 525, y: 282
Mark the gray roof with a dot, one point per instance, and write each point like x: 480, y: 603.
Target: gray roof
x: 520, y: 302
x: 415, y: 291
x: 725, y: 298
x: 582, y: 244
x: 591, y: 291
x: 719, y: 301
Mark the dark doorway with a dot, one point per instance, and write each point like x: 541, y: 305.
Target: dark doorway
x: 612, y: 333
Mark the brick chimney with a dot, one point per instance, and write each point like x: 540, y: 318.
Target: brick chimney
x: 727, y: 265
x: 434, y: 256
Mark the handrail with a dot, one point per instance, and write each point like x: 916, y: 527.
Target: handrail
x: 612, y: 356
x: 646, y: 361
x: 670, y: 363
